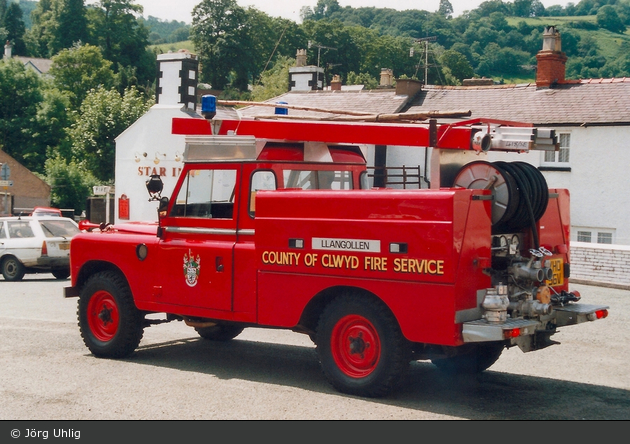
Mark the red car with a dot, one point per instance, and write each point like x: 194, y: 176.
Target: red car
x: 46, y: 211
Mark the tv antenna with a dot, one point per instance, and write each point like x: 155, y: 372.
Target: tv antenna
x: 426, y: 41
x: 319, y: 49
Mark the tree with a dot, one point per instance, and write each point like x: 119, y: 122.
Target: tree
x: 53, y: 122
x: 71, y: 184
x: 20, y: 95
x: 218, y: 27
x: 457, y: 64
x: 364, y: 79
x: 40, y: 33
x: 78, y: 70
x: 608, y: 19
x: 325, y: 9
x: 69, y: 25
x: 14, y: 26
x: 275, y: 81
x: 446, y: 8
x: 122, y: 38
x: 104, y: 115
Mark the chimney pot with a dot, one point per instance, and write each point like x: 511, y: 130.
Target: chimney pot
x: 551, y: 60
x: 8, y: 49
x: 387, y: 77
x: 335, y: 83
x: 300, y: 58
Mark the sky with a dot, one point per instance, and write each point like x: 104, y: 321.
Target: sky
x: 181, y: 10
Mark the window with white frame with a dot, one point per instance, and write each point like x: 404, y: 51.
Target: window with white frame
x: 594, y: 235
x: 558, y: 158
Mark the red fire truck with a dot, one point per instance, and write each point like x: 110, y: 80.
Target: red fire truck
x: 273, y: 223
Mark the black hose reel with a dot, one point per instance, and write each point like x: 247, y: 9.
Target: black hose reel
x: 519, y: 190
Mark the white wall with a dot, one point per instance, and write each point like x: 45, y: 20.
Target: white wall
x: 151, y: 134
x: 598, y: 183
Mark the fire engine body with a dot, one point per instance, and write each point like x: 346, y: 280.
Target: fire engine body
x: 272, y: 224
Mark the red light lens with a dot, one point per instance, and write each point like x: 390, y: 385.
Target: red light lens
x: 601, y: 314
x: 513, y: 333
x: 44, y: 249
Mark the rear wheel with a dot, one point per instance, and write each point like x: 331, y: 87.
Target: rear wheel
x: 12, y: 269
x: 360, y: 347
x: 219, y: 332
x: 475, y: 358
x: 110, y: 323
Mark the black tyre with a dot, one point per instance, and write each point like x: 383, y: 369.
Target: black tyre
x: 360, y: 347
x: 473, y: 358
x: 219, y: 332
x: 61, y: 273
x: 111, y: 325
x: 12, y: 269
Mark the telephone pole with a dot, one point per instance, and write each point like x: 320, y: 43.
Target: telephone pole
x: 426, y: 41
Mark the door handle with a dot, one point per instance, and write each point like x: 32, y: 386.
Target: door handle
x: 219, y: 263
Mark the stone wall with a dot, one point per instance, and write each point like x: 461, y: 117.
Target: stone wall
x: 600, y: 264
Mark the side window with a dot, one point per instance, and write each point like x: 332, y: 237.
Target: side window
x: 19, y: 229
x: 3, y: 231
x: 206, y: 194
x: 334, y: 180
x: 305, y: 180
x: 318, y: 180
x: 559, y: 158
x: 595, y: 235
x: 261, y: 180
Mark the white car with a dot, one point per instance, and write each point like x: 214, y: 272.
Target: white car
x: 35, y: 245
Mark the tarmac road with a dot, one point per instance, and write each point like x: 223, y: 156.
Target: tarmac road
x: 48, y: 374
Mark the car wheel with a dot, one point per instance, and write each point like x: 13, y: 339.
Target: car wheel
x: 361, y: 348
x: 12, y: 269
x: 62, y: 273
x: 109, y: 321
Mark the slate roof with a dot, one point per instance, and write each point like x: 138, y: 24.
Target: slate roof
x: 41, y: 66
x: 376, y: 101
x: 584, y: 102
x: 574, y: 103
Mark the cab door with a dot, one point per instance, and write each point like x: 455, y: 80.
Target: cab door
x: 198, y: 239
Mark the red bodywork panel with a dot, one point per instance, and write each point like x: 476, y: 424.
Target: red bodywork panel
x: 446, y: 235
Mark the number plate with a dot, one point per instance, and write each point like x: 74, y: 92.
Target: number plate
x: 64, y: 246
x: 557, y: 266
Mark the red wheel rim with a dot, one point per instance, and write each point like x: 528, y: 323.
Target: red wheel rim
x: 355, y: 345
x: 103, y: 316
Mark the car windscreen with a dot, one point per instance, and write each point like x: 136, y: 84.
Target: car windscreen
x: 59, y: 228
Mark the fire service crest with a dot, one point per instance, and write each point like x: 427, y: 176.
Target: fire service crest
x: 192, y: 266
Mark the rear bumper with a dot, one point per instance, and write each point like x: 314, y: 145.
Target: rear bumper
x: 483, y: 331
x: 53, y: 262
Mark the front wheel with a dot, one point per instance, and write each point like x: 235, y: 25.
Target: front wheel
x: 360, y: 347
x: 12, y: 269
x: 110, y: 323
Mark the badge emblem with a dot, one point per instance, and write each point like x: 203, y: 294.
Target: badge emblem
x: 191, y: 268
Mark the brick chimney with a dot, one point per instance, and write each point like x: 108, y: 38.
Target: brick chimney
x: 335, y: 83
x: 300, y: 58
x: 551, y: 60
x: 387, y: 78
